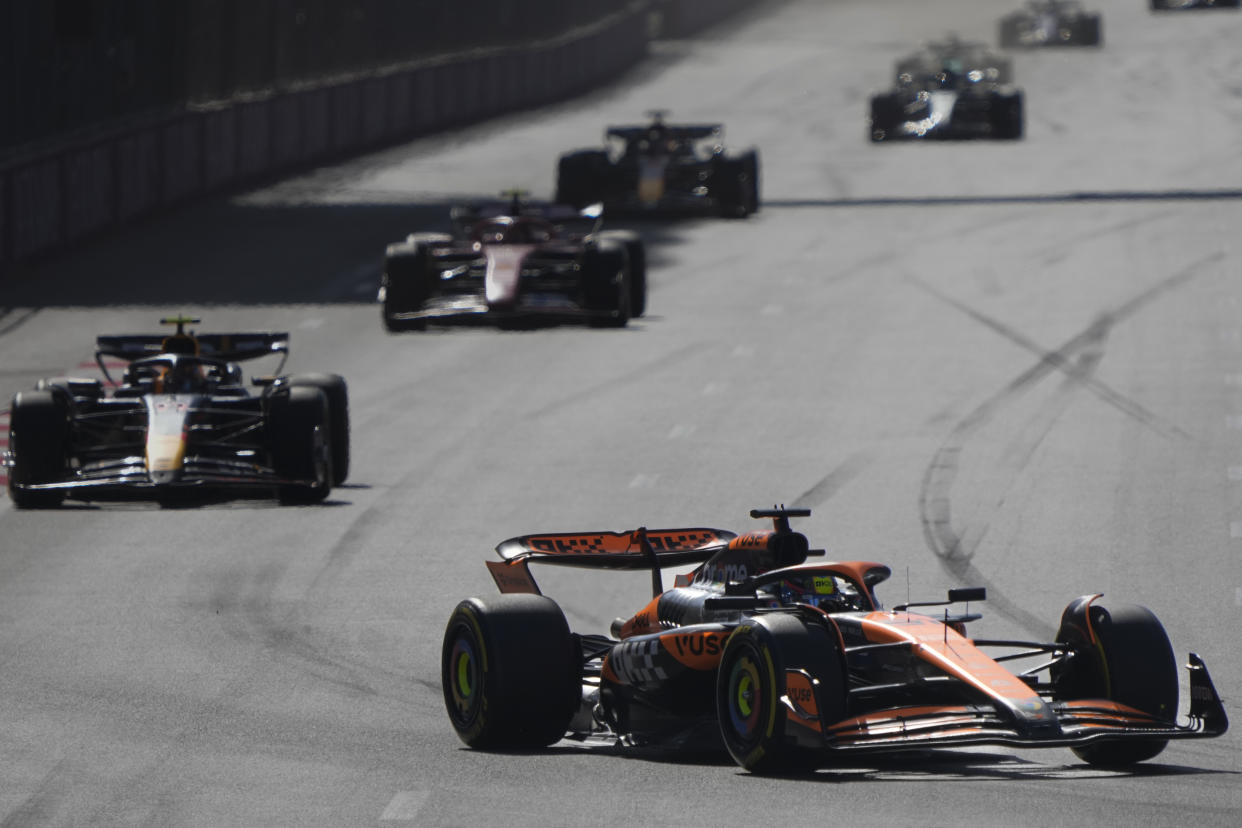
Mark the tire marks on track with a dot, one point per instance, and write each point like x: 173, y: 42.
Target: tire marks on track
x: 1076, y: 361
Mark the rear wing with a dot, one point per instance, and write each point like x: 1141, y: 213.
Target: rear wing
x: 230, y: 347
x: 696, y: 132
x: 642, y: 548
x: 548, y: 210
x: 227, y: 347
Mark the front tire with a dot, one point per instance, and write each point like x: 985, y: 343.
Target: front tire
x: 511, y: 672
x: 886, y: 114
x: 606, y: 286
x: 38, y: 439
x: 1128, y: 660
x: 406, y: 279
x: 636, y: 260
x: 297, y: 429
x: 752, y: 680
x: 337, y: 392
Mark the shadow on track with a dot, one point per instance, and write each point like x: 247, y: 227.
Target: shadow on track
x: 224, y: 252
x: 914, y: 766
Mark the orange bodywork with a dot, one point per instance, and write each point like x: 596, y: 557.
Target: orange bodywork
x: 954, y: 654
x: 697, y: 650
x: 644, y: 622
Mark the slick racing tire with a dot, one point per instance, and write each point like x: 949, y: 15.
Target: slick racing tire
x: 406, y: 279
x: 753, y: 679
x: 38, y: 439
x: 511, y: 672
x: 1089, y: 31
x: 1010, y: 32
x: 298, y: 428
x: 1128, y: 660
x: 606, y: 284
x: 636, y: 259
x: 886, y: 114
x: 337, y: 392
x: 1006, y: 115
x: 581, y: 178
x: 738, y: 185
x: 750, y: 162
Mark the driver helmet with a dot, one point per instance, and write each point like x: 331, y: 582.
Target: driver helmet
x: 183, y: 376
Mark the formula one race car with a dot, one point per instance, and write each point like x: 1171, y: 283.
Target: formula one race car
x: 1050, y: 23
x: 181, y: 421
x: 516, y: 260
x: 662, y: 168
x: 950, y: 90
x: 1183, y: 5
x: 793, y: 664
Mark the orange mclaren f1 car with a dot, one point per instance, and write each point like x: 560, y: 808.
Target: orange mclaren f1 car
x: 794, y: 663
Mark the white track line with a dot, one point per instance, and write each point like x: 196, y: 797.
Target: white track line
x: 404, y: 807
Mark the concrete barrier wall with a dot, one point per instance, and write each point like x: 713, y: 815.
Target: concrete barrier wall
x: 59, y: 198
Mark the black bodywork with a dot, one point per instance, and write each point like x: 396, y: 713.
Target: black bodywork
x: 1050, y: 23
x: 661, y: 168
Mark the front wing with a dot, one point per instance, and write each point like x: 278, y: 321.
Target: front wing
x: 531, y: 304
x: 1077, y: 723
x: 129, y: 474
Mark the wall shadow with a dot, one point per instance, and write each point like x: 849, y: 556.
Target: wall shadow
x: 226, y: 252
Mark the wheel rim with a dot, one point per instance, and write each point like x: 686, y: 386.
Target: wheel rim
x: 745, y: 698
x: 464, y: 677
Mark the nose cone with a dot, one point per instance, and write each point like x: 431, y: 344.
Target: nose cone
x: 163, y: 478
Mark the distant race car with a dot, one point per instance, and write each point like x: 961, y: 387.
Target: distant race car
x: 180, y: 421
x: 1182, y: 5
x: 516, y: 260
x: 950, y: 90
x: 1050, y: 23
x: 791, y: 664
x: 968, y: 57
x: 662, y: 168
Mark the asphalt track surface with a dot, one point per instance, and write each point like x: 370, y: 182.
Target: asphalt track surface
x: 1009, y: 365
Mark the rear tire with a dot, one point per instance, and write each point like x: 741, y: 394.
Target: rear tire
x: 1010, y: 29
x: 1131, y: 662
x: 581, y: 178
x: 70, y: 387
x: 511, y: 672
x: 1007, y: 115
x: 337, y: 392
x: 298, y: 424
x: 751, y: 682
x: 38, y: 439
x: 1090, y: 33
